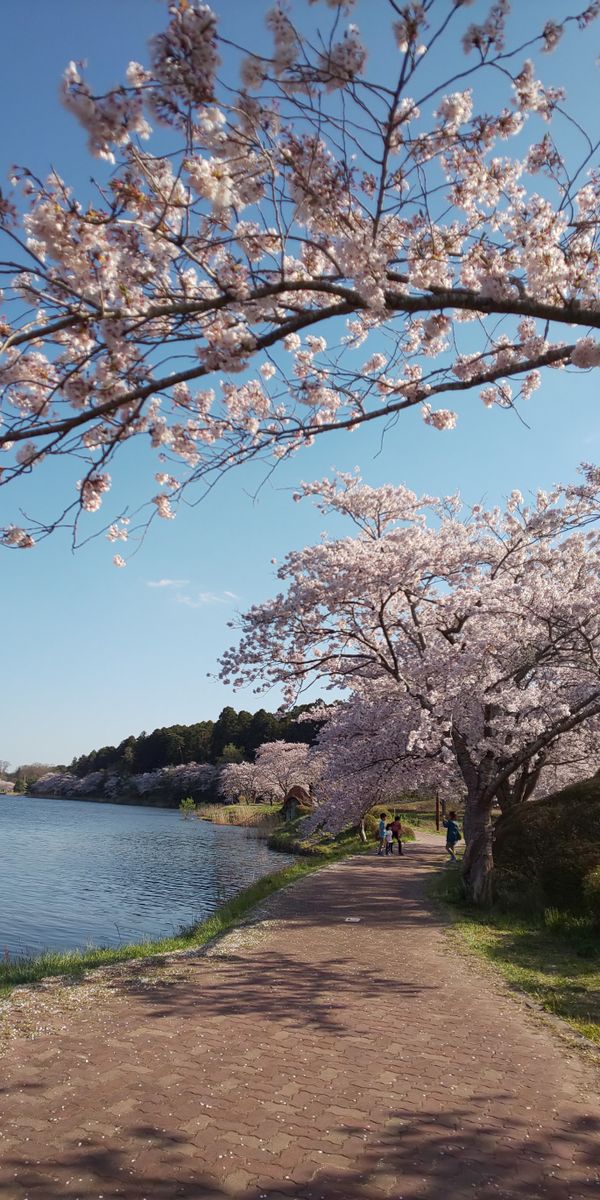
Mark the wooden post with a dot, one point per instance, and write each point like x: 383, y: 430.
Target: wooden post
x: 437, y: 810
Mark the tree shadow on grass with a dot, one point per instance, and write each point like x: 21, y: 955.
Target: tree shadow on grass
x: 552, y: 971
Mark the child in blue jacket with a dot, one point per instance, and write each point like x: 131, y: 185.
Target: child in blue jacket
x: 453, y: 834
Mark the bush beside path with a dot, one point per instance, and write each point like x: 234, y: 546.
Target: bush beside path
x: 335, y: 1048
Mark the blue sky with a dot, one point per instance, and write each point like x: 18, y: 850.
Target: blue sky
x: 91, y: 654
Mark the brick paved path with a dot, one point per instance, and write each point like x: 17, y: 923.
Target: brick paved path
x: 311, y: 1055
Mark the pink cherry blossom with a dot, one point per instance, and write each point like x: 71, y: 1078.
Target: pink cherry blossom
x: 466, y: 641
x: 300, y: 200
x: 282, y: 765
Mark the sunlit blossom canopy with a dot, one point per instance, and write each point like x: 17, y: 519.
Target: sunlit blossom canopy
x: 322, y: 244
x: 465, y: 642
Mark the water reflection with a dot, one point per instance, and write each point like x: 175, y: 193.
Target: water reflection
x: 74, y: 873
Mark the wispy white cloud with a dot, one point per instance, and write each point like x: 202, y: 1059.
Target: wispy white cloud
x: 199, y: 599
x: 174, y: 583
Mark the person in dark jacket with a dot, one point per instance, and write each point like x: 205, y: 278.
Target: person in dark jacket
x: 453, y: 834
x: 396, y: 828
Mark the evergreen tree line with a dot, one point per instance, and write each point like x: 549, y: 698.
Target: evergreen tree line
x: 233, y: 737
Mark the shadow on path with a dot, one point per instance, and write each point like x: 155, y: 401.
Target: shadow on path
x: 306, y: 989
x: 432, y: 1155
x: 274, y: 986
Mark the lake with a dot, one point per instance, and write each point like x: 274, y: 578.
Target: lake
x: 75, y: 873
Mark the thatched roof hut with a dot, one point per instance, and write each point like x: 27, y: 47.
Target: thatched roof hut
x: 297, y: 799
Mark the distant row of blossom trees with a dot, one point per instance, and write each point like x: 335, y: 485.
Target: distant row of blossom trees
x: 278, y: 766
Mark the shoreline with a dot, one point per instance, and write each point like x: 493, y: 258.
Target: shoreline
x: 77, y: 964
x: 74, y: 965
x: 120, y: 801
x: 222, y: 814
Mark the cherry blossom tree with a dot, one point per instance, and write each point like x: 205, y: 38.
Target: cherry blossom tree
x: 239, y: 779
x: 572, y: 757
x: 278, y: 767
x: 481, y: 627
x: 211, y: 299
x: 283, y: 765
x: 363, y: 749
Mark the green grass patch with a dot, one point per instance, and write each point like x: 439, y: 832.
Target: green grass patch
x: 420, y: 821
x: 419, y: 811
x: 554, y: 956
x: 76, y: 963
x: 326, y: 845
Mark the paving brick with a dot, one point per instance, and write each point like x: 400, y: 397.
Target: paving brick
x: 301, y: 1059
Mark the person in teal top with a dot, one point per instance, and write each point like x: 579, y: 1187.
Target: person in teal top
x: 453, y: 834
x: 381, y: 833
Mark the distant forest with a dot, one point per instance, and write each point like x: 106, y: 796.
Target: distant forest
x: 235, y: 736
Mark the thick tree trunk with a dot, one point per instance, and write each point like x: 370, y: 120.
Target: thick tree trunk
x: 507, y: 799
x: 478, y: 862
x: 519, y: 788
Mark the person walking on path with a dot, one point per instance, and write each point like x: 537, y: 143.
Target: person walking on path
x: 381, y: 833
x: 389, y: 839
x: 453, y: 834
x: 396, y: 828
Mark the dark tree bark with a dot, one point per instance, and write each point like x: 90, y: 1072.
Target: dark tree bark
x: 478, y: 862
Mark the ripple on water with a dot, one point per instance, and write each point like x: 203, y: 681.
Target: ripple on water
x: 74, y: 873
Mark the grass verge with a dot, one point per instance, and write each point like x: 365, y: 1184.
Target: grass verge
x: 326, y: 846
x: 76, y: 963
x: 554, y: 956
x: 323, y: 849
x: 425, y: 822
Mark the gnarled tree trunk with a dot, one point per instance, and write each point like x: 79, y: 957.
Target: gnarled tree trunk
x: 519, y: 787
x: 478, y: 861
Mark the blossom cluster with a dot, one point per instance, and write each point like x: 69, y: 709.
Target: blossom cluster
x: 211, y: 300
x: 278, y: 767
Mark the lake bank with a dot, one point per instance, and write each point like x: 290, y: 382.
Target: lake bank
x: 163, y: 787
x: 131, y: 801
x: 74, y: 874
x: 75, y: 965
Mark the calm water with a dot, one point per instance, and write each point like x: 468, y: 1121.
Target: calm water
x: 74, y: 873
